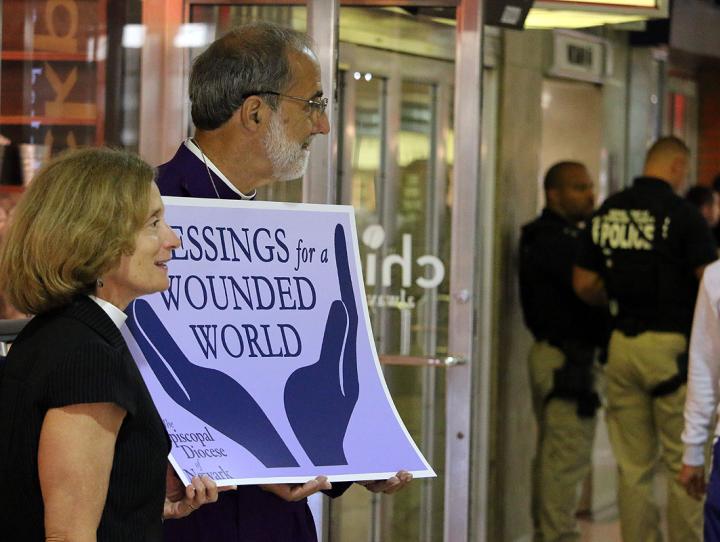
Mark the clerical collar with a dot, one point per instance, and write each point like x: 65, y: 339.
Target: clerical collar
x: 197, y: 151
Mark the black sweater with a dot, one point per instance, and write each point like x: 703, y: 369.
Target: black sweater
x: 76, y: 355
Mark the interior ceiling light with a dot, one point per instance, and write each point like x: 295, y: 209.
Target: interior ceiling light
x: 550, y: 18
x: 612, y: 3
x: 133, y: 36
x: 193, y: 35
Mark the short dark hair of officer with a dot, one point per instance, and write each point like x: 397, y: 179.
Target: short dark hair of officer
x: 707, y: 201
x: 569, y: 190
x: 668, y: 159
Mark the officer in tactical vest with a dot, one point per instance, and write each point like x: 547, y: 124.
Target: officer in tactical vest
x: 567, y: 335
x: 644, y: 252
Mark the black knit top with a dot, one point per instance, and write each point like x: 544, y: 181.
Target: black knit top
x: 68, y: 356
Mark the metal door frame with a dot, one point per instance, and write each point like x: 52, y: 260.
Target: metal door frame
x: 461, y: 380
x: 463, y: 303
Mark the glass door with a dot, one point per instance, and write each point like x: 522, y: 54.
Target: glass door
x: 395, y: 165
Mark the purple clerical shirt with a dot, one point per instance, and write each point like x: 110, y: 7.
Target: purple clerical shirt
x: 248, y: 514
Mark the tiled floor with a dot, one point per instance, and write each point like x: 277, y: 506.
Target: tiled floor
x: 605, y: 525
x: 600, y: 530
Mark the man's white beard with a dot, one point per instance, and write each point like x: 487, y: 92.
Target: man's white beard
x: 289, y: 159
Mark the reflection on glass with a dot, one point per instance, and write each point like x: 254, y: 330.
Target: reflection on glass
x: 367, y: 152
x: 133, y: 36
x: 427, y: 32
x: 194, y: 35
x: 225, y: 17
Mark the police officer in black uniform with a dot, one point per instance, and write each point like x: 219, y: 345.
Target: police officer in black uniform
x: 645, y: 250
x: 567, y: 334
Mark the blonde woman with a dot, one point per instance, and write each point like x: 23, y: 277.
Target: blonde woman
x: 83, y: 451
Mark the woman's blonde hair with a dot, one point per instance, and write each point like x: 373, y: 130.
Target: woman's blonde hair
x: 80, y: 214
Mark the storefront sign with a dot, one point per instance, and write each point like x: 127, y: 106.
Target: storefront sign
x: 260, y: 356
x: 574, y: 4
x: 426, y: 271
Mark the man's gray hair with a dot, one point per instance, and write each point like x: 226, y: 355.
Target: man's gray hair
x: 248, y: 59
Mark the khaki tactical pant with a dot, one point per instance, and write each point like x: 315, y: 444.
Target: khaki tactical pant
x: 564, y: 451
x: 639, y: 424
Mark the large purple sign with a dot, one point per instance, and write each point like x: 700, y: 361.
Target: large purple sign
x: 260, y: 356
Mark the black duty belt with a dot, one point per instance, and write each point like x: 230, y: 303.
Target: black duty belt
x: 672, y: 384
x: 632, y: 326
x: 563, y: 344
x: 635, y: 327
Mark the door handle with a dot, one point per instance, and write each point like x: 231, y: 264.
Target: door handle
x: 423, y: 361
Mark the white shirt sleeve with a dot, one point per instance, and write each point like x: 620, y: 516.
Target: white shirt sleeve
x: 704, y: 369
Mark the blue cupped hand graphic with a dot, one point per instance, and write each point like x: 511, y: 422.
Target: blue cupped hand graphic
x: 320, y: 398
x: 214, y: 397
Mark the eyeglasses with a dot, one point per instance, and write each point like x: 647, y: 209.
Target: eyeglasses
x: 317, y: 107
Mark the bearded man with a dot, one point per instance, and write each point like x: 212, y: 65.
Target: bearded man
x: 257, y: 102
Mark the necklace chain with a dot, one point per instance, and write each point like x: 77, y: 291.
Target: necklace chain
x: 207, y: 168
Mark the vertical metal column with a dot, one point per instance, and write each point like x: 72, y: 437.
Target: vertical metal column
x: 319, y: 184
x: 320, y: 181
x: 345, y: 162
x: 468, y: 99
x: 386, y: 191
x: 163, y: 113
x: 436, y: 187
x: 484, y: 312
